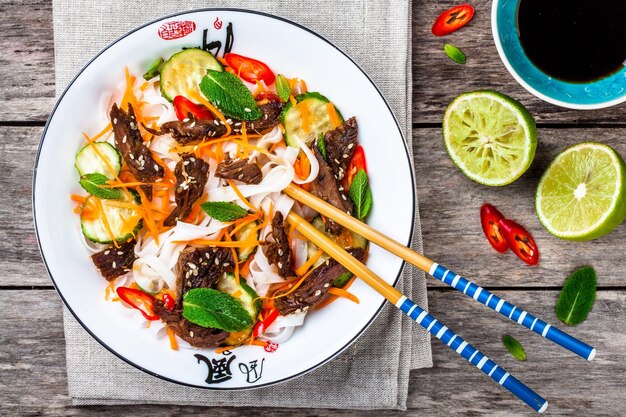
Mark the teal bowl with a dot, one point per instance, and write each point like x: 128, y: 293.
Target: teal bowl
x: 604, y: 92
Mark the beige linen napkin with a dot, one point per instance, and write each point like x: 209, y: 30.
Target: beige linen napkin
x: 373, y: 373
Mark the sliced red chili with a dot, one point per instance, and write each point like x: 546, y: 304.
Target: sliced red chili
x: 262, y: 325
x: 490, y: 219
x: 186, y: 109
x: 520, y: 241
x: 357, y: 162
x: 139, y: 300
x: 169, y: 302
x: 452, y: 19
x: 250, y: 69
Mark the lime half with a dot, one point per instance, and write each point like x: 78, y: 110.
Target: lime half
x: 581, y: 195
x: 490, y: 136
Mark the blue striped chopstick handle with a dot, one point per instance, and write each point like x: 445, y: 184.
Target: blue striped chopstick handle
x: 512, y: 312
x: 473, y: 355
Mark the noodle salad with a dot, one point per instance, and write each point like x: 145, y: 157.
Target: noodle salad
x: 183, y: 209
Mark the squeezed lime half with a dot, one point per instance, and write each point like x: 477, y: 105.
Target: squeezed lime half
x: 581, y: 195
x: 489, y: 136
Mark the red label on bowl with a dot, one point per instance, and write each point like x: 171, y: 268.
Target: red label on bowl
x: 176, y: 29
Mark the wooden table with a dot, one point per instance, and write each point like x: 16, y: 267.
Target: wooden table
x: 32, y: 354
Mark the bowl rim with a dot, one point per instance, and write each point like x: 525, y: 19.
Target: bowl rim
x: 245, y: 11
x: 505, y: 60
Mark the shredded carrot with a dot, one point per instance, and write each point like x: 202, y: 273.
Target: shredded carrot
x: 244, y: 221
x: 304, y: 87
x: 260, y: 88
x: 104, y: 131
x: 172, y: 337
x: 106, y: 161
x: 129, y: 95
x: 113, y: 184
x: 309, y: 263
x: 237, y: 294
x: 169, y: 175
x: 147, y: 215
x: 235, y: 259
x: 194, y: 94
x: 144, y: 86
x: 280, y: 144
x: 241, y: 197
x: 293, y: 101
x: 244, y: 139
x: 220, y: 244
x: 262, y: 102
x: 257, y: 342
x: 303, y: 106
x: 110, y: 289
x: 224, y: 349
x: 245, y: 269
x: 292, y: 287
x: 302, y: 166
x: 78, y: 198
x: 332, y: 113
x: 343, y: 293
x: 196, y: 209
x: 105, y: 221
x: 219, y: 153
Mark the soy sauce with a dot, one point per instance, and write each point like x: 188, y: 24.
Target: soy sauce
x: 574, y: 40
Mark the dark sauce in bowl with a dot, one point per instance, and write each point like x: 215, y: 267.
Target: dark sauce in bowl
x: 574, y: 40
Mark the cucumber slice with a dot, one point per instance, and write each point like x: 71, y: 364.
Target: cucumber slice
x: 88, y: 161
x: 319, y: 120
x: 248, y: 298
x: 184, y: 71
x: 124, y: 222
x: 248, y: 232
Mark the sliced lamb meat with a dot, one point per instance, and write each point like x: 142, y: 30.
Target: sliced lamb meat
x: 191, y: 176
x: 191, y: 130
x: 314, y: 286
x: 271, y: 115
x: 239, y: 169
x: 202, y: 268
x: 130, y: 144
x: 114, y: 262
x: 278, y: 252
x: 339, y: 144
x: 326, y: 187
x: 195, y: 335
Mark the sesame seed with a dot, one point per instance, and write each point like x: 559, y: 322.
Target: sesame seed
x: 229, y: 121
x: 238, y: 124
x: 207, y: 255
x: 114, y: 265
x: 217, y: 261
x: 340, y: 188
x: 280, y: 252
x: 350, y: 145
x: 106, y: 252
x: 247, y: 110
x: 337, y: 162
x: 120, y: 252
x: 140, y: 168
x: 124, y: 139
x: 114, y: 120
x: 186, y: 163
x: 344, y: 196
x: 240, y: 176
x: 318, y: 293
x: 140, y: 158
x: 345, y: 156
x: 216, y: 122
x: 192, y: 159
x: 326, y: 285
x: 192, y: 124
x: 225, y: 264
x: 191, y: 265
x: 131, y: 156
x: 156, y: 167
x: 133, y: 126
x: 190, y: 333
x: 280, y: 264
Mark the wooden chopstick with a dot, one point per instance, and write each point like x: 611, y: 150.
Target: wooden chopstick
x: 424, y: 319
x: 443, y: 274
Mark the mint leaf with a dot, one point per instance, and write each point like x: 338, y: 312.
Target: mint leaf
x: 282, y: 87
x: 577, y: 296
x: 92, y: 182
x: 228, y: 93
x: 207, y: 307
x: 223, y: 211
x: 454, y: 53
x: 361, y: 195
x: 321, y: 146
x: 514, y: 347
x: 154, y: 70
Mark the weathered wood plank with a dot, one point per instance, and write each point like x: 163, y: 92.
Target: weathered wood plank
x: 437, y: 80
x: 449, y: 205
x: 34, y: 377
x: 27, y: 60
x: 27, y: 79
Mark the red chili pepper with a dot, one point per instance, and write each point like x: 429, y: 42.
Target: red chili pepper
x: 168, y: 302
x: 452, y: 19
x: 262, y: 325
x: 250, y: 69
x: 356, y: 163
x: 520, y: 241
x: 185, y: 107
x: 140, y: 300
x: 490, y: 218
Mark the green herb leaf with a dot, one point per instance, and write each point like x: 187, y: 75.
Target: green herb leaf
x: 92, y: 182
x: 207, y: 307
x: 282, y: 87
x: 454, y: 53
x: 321, y: 146
x: 228, y: 93
x: 514, y: 347
x: 577, y: 296
x: 361, y: 194
x: 223, y: 211
x: 154, y: 70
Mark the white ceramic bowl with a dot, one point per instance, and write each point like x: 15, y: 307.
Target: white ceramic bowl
x: 290, y: 49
